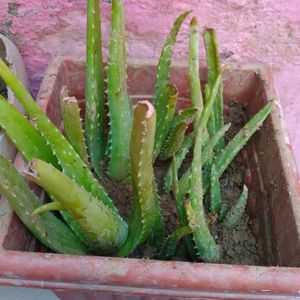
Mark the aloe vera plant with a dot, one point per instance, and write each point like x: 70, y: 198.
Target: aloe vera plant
x: 72, y: 166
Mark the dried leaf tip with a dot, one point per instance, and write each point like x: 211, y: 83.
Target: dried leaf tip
x: 210, y: 30
x: 173, y: 89
x: 194, y: 22
x: 148, y: 106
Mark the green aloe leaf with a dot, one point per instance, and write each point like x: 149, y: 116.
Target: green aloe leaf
x: 181, y: 211
x: 180, y: 156
x: 206, y: 246
x: 176, y: 136
x: 215, y: 191
x: 230, y: 151
x: 68, y: 158
x: 118, y: 100
x: 163, y: 69
x: 169, y: 246
x: 209, y: 105
x: 211, y: 126
x: 104, y: 232
x: 29, y: 142
x: 207, y: 153
x: 214, y: 70
x: 158, y: 232
x: 208, y: 148
x: 25, y: 137
x: 165, y: 108
x: 142, y: 219
x: 48, y: 229
x: 236, y: 212
x: 94, y: 117
x: 73, y: 130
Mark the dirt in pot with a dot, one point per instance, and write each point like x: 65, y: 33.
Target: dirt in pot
x: 238, y: 245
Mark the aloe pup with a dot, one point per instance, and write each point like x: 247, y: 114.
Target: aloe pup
x: 235, y: 213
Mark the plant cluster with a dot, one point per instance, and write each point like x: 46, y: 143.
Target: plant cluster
x: 71, y: 166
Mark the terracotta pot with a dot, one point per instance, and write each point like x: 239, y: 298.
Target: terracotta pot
x: 274, y: 207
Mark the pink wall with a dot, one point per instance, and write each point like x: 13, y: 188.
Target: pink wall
x: 265, y: 31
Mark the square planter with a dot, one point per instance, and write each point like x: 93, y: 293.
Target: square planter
x: 274, y: 208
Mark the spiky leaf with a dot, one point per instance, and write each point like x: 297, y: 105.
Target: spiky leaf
x: 206, y: 246
x: 214, y: 70
x: 46, y: 227
x: 118, y: 101
x: 215, y: 191
x: 223, y: 160
x: 165, y: 109
x: 180, y: 156
x: 25, y: 137
x: 235, y: 213
x: 176, y: 136
x: 94, y: 117
x: 169, y: 246
x: 67, y: 157
x: 73, y: 131
x: 104, y: 231
x: 142, y: 218
x: 163, y: 68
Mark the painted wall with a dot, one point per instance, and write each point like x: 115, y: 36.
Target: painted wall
x: 265, y: 31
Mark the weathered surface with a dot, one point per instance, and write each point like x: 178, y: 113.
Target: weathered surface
x: 248, y: 31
